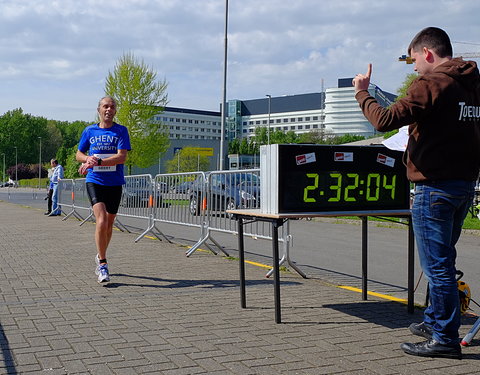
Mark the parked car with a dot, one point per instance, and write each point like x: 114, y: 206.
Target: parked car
x: 139, y: 194
x: 183, y: 188
x: 225, y: 192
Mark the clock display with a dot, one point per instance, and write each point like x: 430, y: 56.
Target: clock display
x: 324, y: 178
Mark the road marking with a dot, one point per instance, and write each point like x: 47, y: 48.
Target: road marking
x: 385, y: 296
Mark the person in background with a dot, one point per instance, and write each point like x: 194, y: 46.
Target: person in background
x: 442, y: 109
x: 48, y: 198
x: 57, y: 174
x: 102, y: 150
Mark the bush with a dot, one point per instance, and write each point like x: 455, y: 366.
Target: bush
x: 26, y: 171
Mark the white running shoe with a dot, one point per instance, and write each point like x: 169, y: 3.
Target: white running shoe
x: 102, y: 272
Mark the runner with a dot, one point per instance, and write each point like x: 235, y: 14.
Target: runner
x: 102, y: 150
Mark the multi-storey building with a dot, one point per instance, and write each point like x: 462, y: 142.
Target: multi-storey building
x: 184, y: 123
x: 333, y: 112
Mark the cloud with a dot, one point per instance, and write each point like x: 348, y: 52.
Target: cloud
x: 58, y: 52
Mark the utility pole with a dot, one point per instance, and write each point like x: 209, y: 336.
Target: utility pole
x: 224, y: 96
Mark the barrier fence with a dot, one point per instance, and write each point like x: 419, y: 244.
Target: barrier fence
x: 197, y: 199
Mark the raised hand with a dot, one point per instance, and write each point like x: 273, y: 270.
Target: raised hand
x: 362, y: 81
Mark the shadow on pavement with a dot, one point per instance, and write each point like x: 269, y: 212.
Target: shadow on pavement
x: 8, y: 361
x: 172, y: 283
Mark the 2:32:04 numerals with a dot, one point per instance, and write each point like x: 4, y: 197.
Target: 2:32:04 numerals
x: 350, y: 187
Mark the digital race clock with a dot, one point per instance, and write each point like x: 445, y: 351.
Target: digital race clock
x: 324, y: 178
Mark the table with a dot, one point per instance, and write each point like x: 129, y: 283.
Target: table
x: 277, y: 220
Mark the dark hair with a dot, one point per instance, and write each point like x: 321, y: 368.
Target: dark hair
x: 54, y: 161
x: 433, y: 38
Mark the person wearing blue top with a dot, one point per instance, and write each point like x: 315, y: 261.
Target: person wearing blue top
x: 57, y: 174
x: 102, y: 150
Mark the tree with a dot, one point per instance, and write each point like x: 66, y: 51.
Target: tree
x: 70, y: 133
x: 71, y: 164
x: 22, y: 131
x: 402, y: 90
x: 188, y: 160
x: 140, y: 96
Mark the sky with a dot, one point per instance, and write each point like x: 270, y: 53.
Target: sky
x: 56, y: 54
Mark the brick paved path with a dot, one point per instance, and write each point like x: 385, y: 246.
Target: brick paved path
x: 164, y: 313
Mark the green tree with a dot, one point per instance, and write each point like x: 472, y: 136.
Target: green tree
x: 70, y: 132
x: 234, y: 146
x: 402, y: 90
x: 244, y: 147
x: 71, y: 164
x: 140, y: 96
x: 188, y: 160
x: 22, y: 131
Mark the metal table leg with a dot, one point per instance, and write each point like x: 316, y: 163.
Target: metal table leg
x: 364, y: 257
x: 241, y: 252
x: 276, y: 271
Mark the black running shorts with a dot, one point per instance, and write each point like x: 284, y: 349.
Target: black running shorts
x: 109, y: 195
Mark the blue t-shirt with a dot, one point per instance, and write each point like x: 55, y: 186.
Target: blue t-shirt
x: 103, y: 143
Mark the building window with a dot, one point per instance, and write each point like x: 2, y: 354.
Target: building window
x: 315, y: 126
x: 300, y: 119
x: 177, y: 120
x: 285, y: 120
x: 279, y: 121
x: 264, y: 122
x: 307, y: 126
x: 257, y: 122
x: 300, y: 127
x: 292, y: 127
x: 307, y: 118
x: 292, y: 120
x: 315, y: 118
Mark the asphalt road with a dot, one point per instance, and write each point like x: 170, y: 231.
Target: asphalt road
x: 324, y: 248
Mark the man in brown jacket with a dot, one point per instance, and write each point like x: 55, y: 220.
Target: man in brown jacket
x: 442, y: 109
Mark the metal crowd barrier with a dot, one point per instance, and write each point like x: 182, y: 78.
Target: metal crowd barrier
x: 197, y: 199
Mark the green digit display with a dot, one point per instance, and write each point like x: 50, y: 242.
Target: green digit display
x: 337, y: 187
x: 351, y: 187
x: 375, y: 179
x: 309, y: 188
x: 390, y: 187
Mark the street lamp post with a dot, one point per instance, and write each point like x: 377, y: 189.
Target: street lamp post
x: 268, y: 125
x: 39, y: 161
x: 16, y: 166
x: 3, y: 178
x: 224, y: 96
